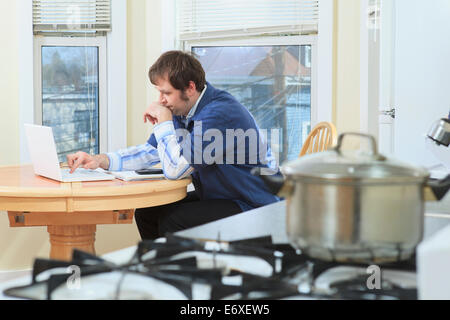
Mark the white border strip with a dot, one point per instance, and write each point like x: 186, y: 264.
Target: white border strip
x: 364, y: 68
x: 117, y: 77
x: 26, y: 66
x: 325, y: 62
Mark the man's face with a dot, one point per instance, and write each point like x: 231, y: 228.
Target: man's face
x: 176, y: 100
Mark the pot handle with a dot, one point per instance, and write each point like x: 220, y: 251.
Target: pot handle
x: 439, y: 188
x: 373, y: 143
x: 275, y: 183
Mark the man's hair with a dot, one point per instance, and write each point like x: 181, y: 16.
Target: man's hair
x: 180, y: 68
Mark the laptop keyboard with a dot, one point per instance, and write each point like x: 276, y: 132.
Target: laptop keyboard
x: 81, y: 173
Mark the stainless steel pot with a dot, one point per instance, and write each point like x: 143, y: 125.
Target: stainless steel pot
x: 354, y: 207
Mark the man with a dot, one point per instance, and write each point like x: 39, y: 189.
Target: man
x: 189, y: 113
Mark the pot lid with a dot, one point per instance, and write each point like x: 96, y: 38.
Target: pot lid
x: 355, y: 164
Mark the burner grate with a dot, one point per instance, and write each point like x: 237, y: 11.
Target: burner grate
x: 356, y: 289
x: 184, y: 268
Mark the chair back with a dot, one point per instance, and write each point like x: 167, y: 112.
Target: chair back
x: 321, y: 137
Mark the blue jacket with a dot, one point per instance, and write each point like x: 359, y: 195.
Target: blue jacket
x: 216, y: 112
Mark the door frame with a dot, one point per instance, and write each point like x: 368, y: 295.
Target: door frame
x: 377, y: 74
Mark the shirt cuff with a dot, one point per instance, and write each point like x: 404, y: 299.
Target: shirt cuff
x: 115, y: 161
x: 163, y: 129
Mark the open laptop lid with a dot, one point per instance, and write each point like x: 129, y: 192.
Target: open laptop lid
x: 42, y: 148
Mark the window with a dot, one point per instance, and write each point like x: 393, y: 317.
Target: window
x: 272, y: 81
x: 70, y: 72
x: 71, y: 92
x: 263, y: 52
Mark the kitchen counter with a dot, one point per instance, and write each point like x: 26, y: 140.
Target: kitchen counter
x: 440, y: 207
x: 437, y: 215
x: 268, y: 220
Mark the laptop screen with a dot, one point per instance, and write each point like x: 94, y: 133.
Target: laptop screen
x: 42, y: 148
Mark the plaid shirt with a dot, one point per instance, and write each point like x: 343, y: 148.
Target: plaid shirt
x: 141, y: 156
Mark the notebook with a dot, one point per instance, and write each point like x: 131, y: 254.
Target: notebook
x: 42, y: 149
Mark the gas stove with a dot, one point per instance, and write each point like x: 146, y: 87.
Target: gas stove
x: 181, y: 268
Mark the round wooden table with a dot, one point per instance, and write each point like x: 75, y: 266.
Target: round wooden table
x: 71, y: 211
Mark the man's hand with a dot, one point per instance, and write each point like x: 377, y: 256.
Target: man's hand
x: 87, y: 161
x: 157, y: 113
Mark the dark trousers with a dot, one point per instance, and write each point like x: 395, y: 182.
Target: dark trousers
x: 155, y: 222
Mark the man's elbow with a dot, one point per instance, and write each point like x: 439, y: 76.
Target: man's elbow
x: 181, y: 175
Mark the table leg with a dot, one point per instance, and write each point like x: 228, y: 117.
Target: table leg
x: 64, y: 238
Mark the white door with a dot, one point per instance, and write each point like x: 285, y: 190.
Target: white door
x: 415, y: 75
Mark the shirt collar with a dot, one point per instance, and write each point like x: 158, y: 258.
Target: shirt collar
x: 194, y: 108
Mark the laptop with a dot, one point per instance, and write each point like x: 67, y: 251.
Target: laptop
x: 42, y: 148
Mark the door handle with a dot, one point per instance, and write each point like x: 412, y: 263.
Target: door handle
x: 390, y: 113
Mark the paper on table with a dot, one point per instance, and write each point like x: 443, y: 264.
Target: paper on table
x: 133, y: 176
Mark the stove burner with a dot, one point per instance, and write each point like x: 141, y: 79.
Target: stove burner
x: 183, y: 268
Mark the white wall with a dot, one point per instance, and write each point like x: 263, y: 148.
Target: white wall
x: 9, y: 86
x: 347, y: 72
x: 422, y: 75
x: 17, y: 247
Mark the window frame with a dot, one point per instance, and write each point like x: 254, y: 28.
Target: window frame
x: 116, y: 75
x: 325, y: 54
x: 100, y: 42
x: 271, y: 41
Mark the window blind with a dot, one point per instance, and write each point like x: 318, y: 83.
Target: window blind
x: 198, y: 19
x: 71, y: 16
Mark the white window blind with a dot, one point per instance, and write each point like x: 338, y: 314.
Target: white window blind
x: 71, y: 16
x: 199, y: 19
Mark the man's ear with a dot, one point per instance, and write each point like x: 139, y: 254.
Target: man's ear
x: 191, y: 89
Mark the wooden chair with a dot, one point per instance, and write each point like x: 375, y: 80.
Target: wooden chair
x: 321, y: 137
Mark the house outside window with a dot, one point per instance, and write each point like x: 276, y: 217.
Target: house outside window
x: 271, y: 81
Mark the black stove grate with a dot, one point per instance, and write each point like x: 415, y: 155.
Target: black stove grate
x: 274, y: 271
x: 356, y: 289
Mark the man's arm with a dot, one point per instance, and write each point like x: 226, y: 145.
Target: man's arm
x: 174, y: 165
x: 132, y: 158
